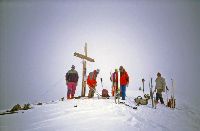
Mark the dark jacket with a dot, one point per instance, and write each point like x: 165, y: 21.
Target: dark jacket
x: 72, y: 76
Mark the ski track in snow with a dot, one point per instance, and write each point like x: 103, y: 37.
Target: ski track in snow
x: 101, y: 115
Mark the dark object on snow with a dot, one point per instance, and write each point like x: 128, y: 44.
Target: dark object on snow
x: 75, y: 106
x: 16, y: 108
x: 105, y: 93
x: 77, y: 97
x: 62, y: 99
x: 171, y: 103
x: 143, y: 84
x: 133, y: 107
x: 39, y: 103
x: 8, y: 112
x: 26, y: 107
x: 140, y: 88
x: 80, y: 97
x: 167, y: 88
x: 140, y: 101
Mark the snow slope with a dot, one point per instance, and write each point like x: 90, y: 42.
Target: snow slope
x: 101, y: 115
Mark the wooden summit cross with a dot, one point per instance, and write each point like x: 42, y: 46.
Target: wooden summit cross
x: 84, y: 58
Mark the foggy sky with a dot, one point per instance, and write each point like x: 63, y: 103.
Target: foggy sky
x: 38, y: 39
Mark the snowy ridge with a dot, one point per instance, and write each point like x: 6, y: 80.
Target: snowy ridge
x: 101, y: 115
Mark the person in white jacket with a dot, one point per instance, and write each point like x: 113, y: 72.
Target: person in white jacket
x: 160, y: 87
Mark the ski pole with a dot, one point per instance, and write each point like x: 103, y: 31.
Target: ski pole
x: 96, y: 92
x: 151, y: 93
x: 167, y: 93
x: 173, y: 100
x: 101, y: 82
x: 143, y: 84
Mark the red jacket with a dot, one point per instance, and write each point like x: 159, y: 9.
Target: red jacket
x: 124, y: 78
x: 91, y: 80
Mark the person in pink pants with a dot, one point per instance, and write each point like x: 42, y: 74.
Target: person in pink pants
x: 71, y: 82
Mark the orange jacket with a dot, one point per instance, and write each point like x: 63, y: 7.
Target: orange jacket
x: 91, y: 80
x: 124, y: 78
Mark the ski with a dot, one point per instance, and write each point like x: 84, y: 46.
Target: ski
x: 76, y: 97
x: 117, y: 92
x: 117, y: 97
x: 167, y: 96
x: 133, y: 107
x: 151, y: 93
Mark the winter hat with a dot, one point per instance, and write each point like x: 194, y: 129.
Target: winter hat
x: 73, y: 67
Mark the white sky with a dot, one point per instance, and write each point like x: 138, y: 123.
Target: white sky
x: 38, y: 39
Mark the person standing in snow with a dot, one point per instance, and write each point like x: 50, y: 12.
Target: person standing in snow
x: 124, y: 81
x: 160, y: 87
x: 92, y: 83
x: 71, y: 78
x: 114, y: 80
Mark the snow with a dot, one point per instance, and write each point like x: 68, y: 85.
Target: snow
x: 102, y: 115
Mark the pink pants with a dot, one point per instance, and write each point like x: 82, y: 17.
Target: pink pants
x: 71, y: 88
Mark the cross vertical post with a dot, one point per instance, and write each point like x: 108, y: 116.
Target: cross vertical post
x: 84, y: 58
x: 84, y: 73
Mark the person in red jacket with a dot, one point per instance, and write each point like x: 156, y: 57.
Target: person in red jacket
x: 91, y: 81
x: 124, y: 81
x: 114, y: 80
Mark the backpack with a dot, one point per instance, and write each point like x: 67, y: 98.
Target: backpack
x: 105, y: 93
x: 171, y: 103
x: 139, y: 100
x: 147, y: 96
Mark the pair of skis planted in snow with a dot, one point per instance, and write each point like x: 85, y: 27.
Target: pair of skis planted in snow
x: 151, y: 94
x: 172, y: 96
x: 117, y: 92
x: 171, y: 102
